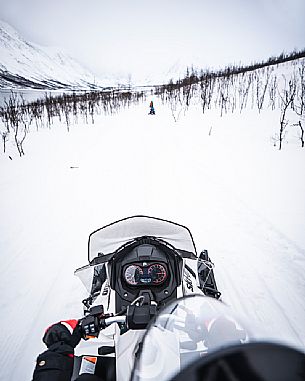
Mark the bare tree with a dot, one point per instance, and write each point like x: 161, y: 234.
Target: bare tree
x: 272, y: 92
x: 5, y: 137
x: 287, y: 100
x: 14, y: 116
x: 245, y: 83
x: 299, y: 101
x: 261, y: 88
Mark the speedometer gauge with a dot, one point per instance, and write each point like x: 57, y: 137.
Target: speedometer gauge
x: 132, y: 274
x: 157, y: 273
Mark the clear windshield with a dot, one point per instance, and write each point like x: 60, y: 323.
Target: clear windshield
x: 111, y: 237
x: 185, y: 331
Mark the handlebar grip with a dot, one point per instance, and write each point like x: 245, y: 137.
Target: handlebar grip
x: 114, y: 319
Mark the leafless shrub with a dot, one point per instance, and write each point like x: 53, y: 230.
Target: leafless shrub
x: 287, y: 99
x: 207, y: 85
x: 301, y: 134
x: 299, y: 100
x: 262, y: 82
x: 5, y: 137
x: 13, y: 115
x: 244, y: 84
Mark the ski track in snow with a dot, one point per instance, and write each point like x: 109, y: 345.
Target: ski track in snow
x: 134, y: 164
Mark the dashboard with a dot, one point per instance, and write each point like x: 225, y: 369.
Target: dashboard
x: 148, y: 268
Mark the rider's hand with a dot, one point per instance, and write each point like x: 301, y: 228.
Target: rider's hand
x: 63, y: 336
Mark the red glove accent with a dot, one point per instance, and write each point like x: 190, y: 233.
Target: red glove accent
x: 70, y: 324
x: 65, y: 332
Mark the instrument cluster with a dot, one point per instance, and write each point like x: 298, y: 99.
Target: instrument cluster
x: 145, y: 274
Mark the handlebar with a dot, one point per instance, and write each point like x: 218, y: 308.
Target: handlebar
x: 92, y: 324
x: 114, y: 319
x: 136, y: 316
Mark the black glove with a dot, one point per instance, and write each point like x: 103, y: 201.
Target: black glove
x: 56, y: 364
x: 63, y: 337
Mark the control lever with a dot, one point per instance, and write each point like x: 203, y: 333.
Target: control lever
x: 96, y: 320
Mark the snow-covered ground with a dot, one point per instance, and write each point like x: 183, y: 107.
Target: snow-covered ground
x: 242, y: 199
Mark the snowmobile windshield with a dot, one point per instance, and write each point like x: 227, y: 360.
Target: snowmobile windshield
x: 112, y: 237
x: 184, y: 332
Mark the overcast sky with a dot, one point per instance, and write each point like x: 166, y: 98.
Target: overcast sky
x: 140, y: 36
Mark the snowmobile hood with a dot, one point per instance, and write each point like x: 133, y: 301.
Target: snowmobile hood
x: 108, y: 239
x: 186, y: 330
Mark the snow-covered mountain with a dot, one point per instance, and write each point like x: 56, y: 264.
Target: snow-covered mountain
x: 28, y: 65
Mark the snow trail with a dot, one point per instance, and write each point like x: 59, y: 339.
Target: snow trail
x: 132, y: 163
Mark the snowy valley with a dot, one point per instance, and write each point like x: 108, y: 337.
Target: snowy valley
x: 219, y: 172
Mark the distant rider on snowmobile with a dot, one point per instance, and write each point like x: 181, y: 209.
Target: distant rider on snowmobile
x: 56, y: 363
x: 152, y: 110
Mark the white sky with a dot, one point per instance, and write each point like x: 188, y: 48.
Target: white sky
x: 138, y: 36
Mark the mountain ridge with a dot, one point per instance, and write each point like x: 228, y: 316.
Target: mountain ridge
x: 29, y: 65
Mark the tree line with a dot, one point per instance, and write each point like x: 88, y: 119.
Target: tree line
x: 234, y: 88
x: 18, y: 116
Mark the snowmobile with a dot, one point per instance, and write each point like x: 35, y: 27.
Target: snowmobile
x: 137, y: 265
x: 153, y: 308
x: 152, y: 111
